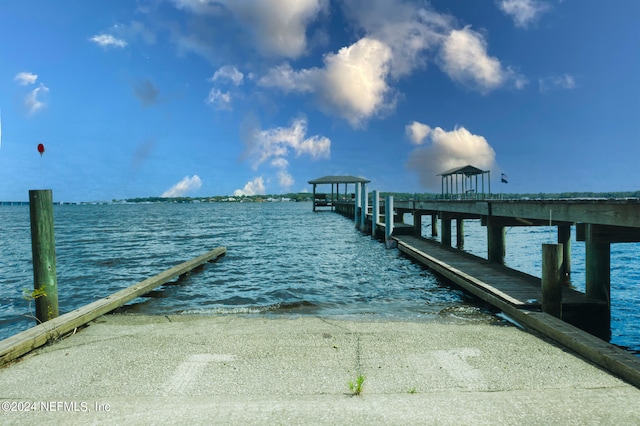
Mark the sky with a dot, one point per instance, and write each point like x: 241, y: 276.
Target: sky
x: 229, y: 97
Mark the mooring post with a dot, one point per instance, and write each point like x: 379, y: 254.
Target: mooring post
x: 496, y: 237
x: 356, y: 208
x: 375, y: 212
x: 43, y: 251
x: 364, y: 207
x: 564, y: 238
x: 598, y: 274
x: 460, y: 233
x: 434, y: 224
x: 417, y: 223
x: 445, y: 223
x: 388, y: 221
x: 552, y: 279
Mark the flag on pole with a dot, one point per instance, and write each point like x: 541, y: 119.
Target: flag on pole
x: 503, y: 178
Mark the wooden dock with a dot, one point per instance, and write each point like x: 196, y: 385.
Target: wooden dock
x: 496, y: 284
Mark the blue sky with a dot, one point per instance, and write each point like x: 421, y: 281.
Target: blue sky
x: 198, y: 97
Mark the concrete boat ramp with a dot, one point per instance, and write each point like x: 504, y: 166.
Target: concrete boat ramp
x: 131, y: 369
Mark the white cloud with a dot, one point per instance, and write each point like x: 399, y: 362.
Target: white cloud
x: 219, y: 100
x: 465, y: 59
x: 447, y: 150
x: 278, y: 26
x: 285, y: 180
x: 228, y: 72
x: 279, y: 142
x: 225, y: 76
x: 254, y: 187
x: 185, y: 186
x: 33, y: 100
x: 408, y: 30
x: 524, y: 12
x: 565, y: 81
x: 25, y: 78
x: 417, y: 132
x: 107, y: 40
x: 352, y: 83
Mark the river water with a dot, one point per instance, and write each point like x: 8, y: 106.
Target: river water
x: 282, y: 258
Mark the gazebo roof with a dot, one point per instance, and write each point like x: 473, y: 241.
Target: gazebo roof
x: 468, y: 170
x: 338, y: 179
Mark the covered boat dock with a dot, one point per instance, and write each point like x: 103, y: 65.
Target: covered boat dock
x: 331, y: 199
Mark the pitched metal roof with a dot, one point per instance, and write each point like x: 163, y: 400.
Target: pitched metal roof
x: 468, y: 170
x: 338, y: 179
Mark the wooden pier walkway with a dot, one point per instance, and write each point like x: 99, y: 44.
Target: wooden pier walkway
x: 491, y: 282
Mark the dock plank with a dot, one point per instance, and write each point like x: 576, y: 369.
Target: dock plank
x: 479, y: 276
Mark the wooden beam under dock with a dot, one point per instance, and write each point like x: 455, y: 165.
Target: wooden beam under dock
x: 21, y: 343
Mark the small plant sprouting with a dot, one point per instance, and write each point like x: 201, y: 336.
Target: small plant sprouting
x: 412, y: 390
x: 356, y: 386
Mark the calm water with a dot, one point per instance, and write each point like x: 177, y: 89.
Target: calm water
x: 282, y: 259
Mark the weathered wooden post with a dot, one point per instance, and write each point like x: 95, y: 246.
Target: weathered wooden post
x: 434, y: 224
x: 356, y: 208
x: 445, y: 223
x: 459, y: 233
x: 417, y: 223
x: 552, y: 279
x: 43, y: 251
x: 388, y: 221
x: 598, y: 275
x: 564, y: 238
x: 364, y: 207
x: 495, y: 241
x: 375, y: 213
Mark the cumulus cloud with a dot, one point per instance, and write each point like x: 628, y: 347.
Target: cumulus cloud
x: 524, y: 12
x: 352, y: 84
x: 25, y: 78
x: 254, y: 187
x: 465, y: 59
x: 565, y: 81
x: 446, y: 150
x: 274, y: 147
x: 225, y: 76
x: 417, y: 132
x: 278, y: 27
x: 229, y: 73
x: 33, y: 101
x: 408, y: 30
x: 185, y: 186
x: 107, y: 40
x: 277, y: 143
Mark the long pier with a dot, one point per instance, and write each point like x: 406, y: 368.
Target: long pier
x: 582, y: 321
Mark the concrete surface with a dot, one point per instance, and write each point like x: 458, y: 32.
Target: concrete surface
x: 129, y: 369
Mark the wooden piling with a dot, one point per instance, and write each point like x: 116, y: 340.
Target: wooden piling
x: 445, y: 223
x: 434, y: 225
x: 364, y: 207
x: 43, y: 249
x: 356, y: 209
x: 598, y: 274
x: 495, y: 243
x: 375, y: 213
x: 417, y: 224
x: 460, y: 233
x: 388, y: 221
x: 564, y: 238
x: 552, y: 279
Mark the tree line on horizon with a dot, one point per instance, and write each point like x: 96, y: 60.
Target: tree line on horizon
x: 400, y: 196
